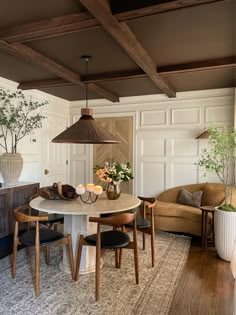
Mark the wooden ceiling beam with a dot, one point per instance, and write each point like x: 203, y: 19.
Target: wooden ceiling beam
x: 55, y: 26
x: 212, y: 64
x: 126, y: 39
x: 114, y: 76
x: 160, y: 8
x: 28, y: 85
x: 76, y: 22
x: 30, y: 55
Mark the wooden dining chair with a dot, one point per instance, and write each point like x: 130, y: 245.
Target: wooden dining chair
x: 54, y: 219
x: 113, y: 239
x: 36, y: 237
x: 143, y: 224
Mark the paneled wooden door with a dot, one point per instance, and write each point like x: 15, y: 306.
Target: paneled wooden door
x: 122, y: 128
x: 54, y: 155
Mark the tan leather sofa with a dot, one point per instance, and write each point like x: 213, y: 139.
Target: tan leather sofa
x: 174, y: 217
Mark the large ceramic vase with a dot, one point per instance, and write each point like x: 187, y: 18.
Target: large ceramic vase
x: 11, y: 166
x: 113, y: 190
x: 225, y: 233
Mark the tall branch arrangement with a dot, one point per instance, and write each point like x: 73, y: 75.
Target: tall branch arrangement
x: 19, y: 116
x: 220, y: 159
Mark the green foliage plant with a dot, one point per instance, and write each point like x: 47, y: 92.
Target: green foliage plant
x: 19, y: 116
x: 220, y: 159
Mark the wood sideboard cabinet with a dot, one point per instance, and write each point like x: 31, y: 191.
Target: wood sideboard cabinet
x: 10, y: 198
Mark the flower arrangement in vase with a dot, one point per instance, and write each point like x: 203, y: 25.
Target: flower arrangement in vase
x: 114, y: 174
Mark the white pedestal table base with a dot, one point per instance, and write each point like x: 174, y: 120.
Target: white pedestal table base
x: 76, y: 225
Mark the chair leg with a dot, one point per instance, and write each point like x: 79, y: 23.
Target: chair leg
x: 70, y: 254
x: 98, y: 255
x: 136, y: 257
x: 117, y: 257
x: 47, y: 255
x: 144, y: 241
x: 78, y: 258
x: 15, y: 245
x: 121, y: 250
x: 27, y: 250
x: 120, y: 257
x: 37, y: 261
x: 153, y: 246
x: 153, y: 238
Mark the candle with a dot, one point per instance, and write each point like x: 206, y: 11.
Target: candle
x: 98, y: 190
x: 90, y: 187
x: 80, y: 189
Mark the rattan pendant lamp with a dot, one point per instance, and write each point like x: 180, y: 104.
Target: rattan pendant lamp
x: 85, y: 130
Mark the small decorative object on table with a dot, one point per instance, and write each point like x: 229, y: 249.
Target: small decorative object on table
x: 93, y: 192
x: 57, y: 192
x: 114, y: 174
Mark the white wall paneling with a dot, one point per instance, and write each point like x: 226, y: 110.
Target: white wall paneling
x: 166, y: 159
x: 153, y: 118
x: 151, y: 178
x: 185, y: 116
x: 219, y: 114
x: 152, y: 147
x: 183, y: 173
x: 165, y: 147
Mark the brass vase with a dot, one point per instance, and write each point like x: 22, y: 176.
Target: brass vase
x: 113, y: 190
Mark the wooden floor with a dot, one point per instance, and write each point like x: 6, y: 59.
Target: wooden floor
x: 206, y: 285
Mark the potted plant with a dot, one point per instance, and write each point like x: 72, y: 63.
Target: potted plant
x: 220, y: 159
x: 19, y: 116
x: 113, y: 174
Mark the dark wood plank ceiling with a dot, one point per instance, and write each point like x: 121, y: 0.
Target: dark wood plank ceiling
x: 138, y: 47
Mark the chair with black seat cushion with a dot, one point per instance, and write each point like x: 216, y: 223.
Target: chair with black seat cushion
x: 143, y: 224
x: 112, y: 239
x: 37, y: 237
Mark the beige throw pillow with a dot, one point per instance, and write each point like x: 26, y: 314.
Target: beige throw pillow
x: 190, y: 199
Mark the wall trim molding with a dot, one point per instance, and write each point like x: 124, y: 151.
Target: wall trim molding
x: 135, y: 100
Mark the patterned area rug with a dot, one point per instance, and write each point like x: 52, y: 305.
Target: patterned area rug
x: 60, y: 295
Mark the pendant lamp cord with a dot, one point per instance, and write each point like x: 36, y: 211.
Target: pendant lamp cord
x: 86, y: 85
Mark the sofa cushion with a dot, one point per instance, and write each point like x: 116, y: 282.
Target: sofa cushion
x: 171, y: 194
x: 190, y: 199
x: 213, y: 194
x: 170, y: 209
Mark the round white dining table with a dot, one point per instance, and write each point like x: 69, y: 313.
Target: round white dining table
x: 76, y: 221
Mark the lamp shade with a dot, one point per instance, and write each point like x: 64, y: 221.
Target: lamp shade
x: 203, y: 135
x: 85, y: 130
